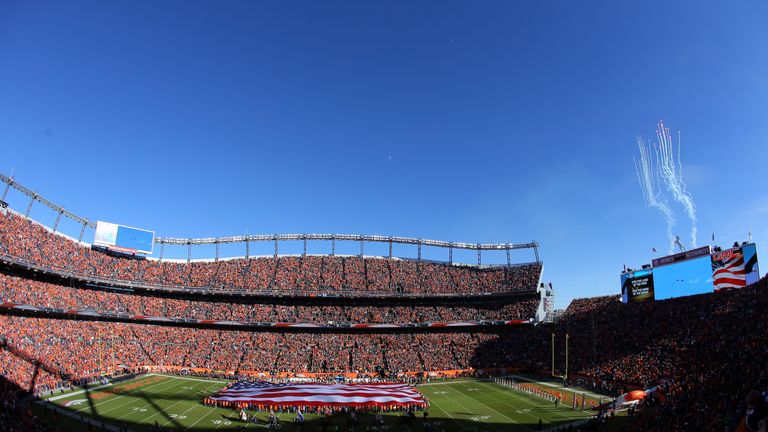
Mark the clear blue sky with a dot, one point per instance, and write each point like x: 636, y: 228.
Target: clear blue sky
x: 468, y: 121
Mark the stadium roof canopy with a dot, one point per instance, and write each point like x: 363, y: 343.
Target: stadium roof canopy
x: 419, y: 242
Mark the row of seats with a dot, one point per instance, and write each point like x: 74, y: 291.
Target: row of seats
x: 23, y: 238
x: 25, y: 291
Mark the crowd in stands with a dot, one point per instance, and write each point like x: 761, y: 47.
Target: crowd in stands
x: 30, y: 292
x: 42, y: 354
x: 38, y: 354
x: 15, y: 416
x: 34, y: 243
x: 708, y: 352
x: 712, y: 346
x: 581, y: 306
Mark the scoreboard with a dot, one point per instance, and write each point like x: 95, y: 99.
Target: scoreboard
x: 637, y: 286
x: 684, y: 278
x: 692, y: 272
x: 735, y: 267
x: 123, y: 238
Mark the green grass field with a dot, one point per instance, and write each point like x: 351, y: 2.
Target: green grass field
x: 174, y: 404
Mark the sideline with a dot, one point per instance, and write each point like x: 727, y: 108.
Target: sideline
x: 79, y: 417
x: 452, y: 382
x: 74, y: 393
x: 188, y: 378
x: 567, y: 389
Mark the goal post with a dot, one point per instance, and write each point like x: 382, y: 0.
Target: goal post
x: 552, y: 345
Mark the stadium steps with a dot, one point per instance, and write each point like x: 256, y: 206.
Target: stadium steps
x: 141, y: 345
x: 243, y: 349
x: 384, y: 357
x: 273, y: 279
x: 344, y: 283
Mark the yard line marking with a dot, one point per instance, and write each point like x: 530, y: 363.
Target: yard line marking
x: 98, y: 417
x: 188, y: 410
x: 163, y: 411
x: 450, y: 382
x: 203, y: 417
x: 456, y: 402
x: 75, y: 393
x: 529, y: 400
x: 118, y: 397
x: 188, y: 378
x: 449, y: 415
x: 159, y: 409
x: 491, y: 424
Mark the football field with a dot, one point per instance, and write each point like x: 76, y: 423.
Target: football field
x: 174, y: 403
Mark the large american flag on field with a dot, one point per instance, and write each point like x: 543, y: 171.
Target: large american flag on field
x: 317, y: 394
x: 729, y: 271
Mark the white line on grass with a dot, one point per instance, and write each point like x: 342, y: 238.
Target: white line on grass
x: 188, y: 410
x: 527, y: 400
x: 448, y: 414
x: 162, y: 410
x: 118, y: 397
x: 456, y: 402
x: 212, y: 411
x: 449, y: 382
x: 159, y: 409
x: 98, y: 416
x: 201, y: 417
x: 488, y: 406
x: 188, y: 378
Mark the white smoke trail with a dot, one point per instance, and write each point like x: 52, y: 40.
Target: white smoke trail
x: 647, y: 177
x: 672, y: 173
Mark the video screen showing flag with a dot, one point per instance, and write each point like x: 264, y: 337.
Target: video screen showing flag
x: 735, y: 268
x: 637, y: 286
x: 368, y: 395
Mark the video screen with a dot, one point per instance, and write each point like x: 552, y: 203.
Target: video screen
x: 637, y: 286
x: 735, y: 267
x: 683, y: 278
x: 124, y: 237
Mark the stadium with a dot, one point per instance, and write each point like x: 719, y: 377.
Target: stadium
x: 346, y: 216
x: 100, y: 336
